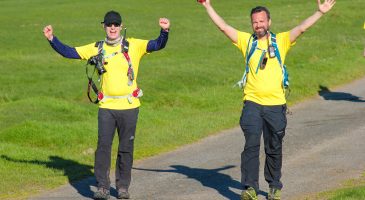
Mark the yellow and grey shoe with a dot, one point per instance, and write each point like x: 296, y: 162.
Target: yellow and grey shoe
x: 249, y: 194
x: 274, y: 194
x: 123, y: 194
x: 102, y: 194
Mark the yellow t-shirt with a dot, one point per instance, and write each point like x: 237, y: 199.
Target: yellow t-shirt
x: 265, y: 86
x: 115, y: 80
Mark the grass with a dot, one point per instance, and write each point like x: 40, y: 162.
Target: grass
x: 353, y: 189
x: 47, y: 124
x: 353, y: 193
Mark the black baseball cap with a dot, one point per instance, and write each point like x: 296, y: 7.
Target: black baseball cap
x: 112, y: 17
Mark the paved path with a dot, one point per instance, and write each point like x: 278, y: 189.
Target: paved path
x: 324, y: 145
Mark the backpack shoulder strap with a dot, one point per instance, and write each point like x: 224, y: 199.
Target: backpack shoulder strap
x: 283, y: 67
x: 275, y: 45
x: 125, y: 45
x: 100, y: 45
x: 251, y: 47
x: 250, y: 52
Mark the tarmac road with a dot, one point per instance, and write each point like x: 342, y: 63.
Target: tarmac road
x: 324, y: 146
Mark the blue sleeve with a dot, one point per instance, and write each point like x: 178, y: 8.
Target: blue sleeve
x: 64, y: 50
x: 159, y: 43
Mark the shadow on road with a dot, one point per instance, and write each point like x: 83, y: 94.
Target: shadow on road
x: 72, y: 169
x: 211, y: 178
x: 337, y: 96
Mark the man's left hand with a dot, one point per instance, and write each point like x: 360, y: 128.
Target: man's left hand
x: 325, y: 6
x: 164, y: 23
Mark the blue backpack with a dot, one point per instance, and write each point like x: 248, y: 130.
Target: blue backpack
x: 249, y: 53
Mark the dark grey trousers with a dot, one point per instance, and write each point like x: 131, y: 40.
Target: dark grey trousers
x: 124, y: 121
x: 271, y: 121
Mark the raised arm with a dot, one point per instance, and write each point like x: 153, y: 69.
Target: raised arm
x: 62, y: 49
x: 323, y: 8
x: 160, y: 42
x: 228, y: 30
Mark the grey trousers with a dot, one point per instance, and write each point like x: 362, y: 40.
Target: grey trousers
x: 124, y: 121
x: 271, y: 121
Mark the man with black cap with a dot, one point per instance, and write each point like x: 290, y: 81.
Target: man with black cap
x: 118, y: 98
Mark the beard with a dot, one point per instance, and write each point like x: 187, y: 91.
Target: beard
x: 261, y: 33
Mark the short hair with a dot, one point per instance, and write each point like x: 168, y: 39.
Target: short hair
x: 260, y: 9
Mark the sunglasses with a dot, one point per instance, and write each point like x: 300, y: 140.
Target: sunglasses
x: 111, y: 24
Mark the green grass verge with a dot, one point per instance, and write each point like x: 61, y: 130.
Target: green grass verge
x: 354, y: 193
x: 353, y: 189
x: 47, y: 127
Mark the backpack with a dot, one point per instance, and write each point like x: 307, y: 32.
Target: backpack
x: 98, y: 62
x: 250, y: 52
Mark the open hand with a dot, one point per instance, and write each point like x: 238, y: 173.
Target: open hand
x: 326, y: 5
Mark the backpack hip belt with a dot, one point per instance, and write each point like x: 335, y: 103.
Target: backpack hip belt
x: 136, y: 94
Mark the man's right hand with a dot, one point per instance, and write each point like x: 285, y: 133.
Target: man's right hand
x: 48, y: 32
x: 205, y: 3
x: 228, y: 30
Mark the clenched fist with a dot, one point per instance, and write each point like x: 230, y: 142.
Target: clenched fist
x: 48, y: 32
x: 164, y: 23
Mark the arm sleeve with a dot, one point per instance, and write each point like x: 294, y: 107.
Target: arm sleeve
x: 284, y: 42
x: 242, y: 40
x: 87, y: 51
x: 159, y: 43
x: 64, y: 50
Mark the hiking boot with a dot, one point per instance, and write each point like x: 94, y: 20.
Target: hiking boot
x: 274, y: 194
x: 249, y: 194
x: 102, y: 194
x: 123, y: 194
